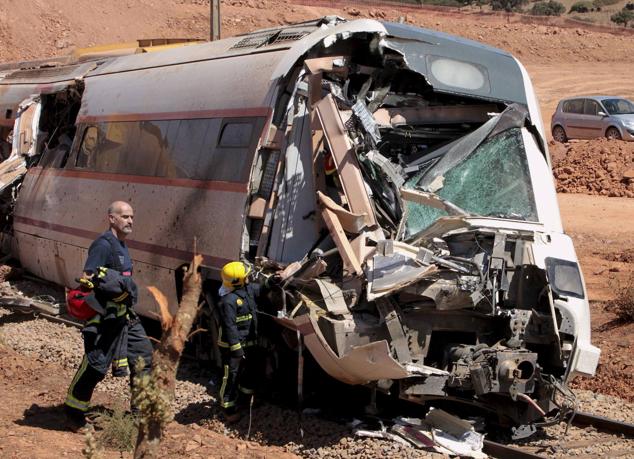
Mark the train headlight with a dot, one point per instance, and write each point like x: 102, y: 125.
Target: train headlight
x: 564, y: 277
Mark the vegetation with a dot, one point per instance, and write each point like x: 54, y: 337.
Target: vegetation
x: 549, y: 8
x: 629, y: 7
x: 623, y: 304
x: 582, y: 7
x: 117, y: 430
x: 589, y: 20
x: 600, y: 3
x: 508, y: 5
x: 623, y: 17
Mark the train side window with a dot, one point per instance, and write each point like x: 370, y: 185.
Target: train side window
x: 116, y: 143
x: 85, y: 156
x: 229, y: 161
x: 236, y: 135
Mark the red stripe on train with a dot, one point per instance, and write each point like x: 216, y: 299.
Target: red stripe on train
x: 142, y: 179
x: 170, y: 252
x: 187, y: 115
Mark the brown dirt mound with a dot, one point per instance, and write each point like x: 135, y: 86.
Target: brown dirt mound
x: 615, y: 374
x: 624, y: 256
x: 600, y: 167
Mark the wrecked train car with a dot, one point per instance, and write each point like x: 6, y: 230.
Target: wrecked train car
x: 396, y: 177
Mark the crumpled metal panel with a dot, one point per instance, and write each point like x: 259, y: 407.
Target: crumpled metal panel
x: 361, y: 365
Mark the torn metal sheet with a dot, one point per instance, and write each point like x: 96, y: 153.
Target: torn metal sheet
x: 386, y: 274
x: 361, y: 365
x: 350, y: 261
x: 333, y: 297
x: 351, y: 223
x: 344, y: 157
x: 11, y: 170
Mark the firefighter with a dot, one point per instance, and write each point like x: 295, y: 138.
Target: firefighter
x: 238, y: 334
x: 114, y: 336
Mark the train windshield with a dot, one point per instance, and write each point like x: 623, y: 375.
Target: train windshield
x: 492, y: 180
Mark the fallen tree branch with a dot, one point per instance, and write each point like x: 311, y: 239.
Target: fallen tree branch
x: 154, y: 392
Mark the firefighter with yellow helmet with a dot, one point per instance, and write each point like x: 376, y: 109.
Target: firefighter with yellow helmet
x: 238, y: 332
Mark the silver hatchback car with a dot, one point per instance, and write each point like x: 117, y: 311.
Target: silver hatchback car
x: 593, y: 116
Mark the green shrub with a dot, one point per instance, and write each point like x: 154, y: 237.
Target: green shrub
x: 549, y: 8
x: 508, y: 5
x: 117, y: 430
x: 623, y: 17
x: 581, y: 7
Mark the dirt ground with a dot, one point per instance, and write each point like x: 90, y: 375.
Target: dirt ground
x: 562, y: 61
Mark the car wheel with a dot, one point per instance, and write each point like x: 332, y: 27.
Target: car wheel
x: 559, y: 134
x: 613, y: 134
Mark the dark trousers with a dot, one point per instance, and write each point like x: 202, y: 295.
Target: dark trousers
x: 99, y: 351
x: 238, y: 379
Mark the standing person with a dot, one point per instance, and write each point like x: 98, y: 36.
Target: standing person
x: 238, y: 332
x: 116, y: 325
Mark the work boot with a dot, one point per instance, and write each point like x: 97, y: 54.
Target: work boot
x: 231, y: 415
x: 75, y: 419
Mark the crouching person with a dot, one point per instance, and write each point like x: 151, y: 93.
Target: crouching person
x: 114, y: 337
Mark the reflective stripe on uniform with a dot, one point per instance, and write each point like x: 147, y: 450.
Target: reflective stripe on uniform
x: 235, y: 347
x: 77, y: 404
x: 70, y: 399
x: 95, y: 320
x: 225, y: 379
x: 120, y: 298
x: 244, y: 390
x: 244, y: 318
x: 120, y: 308
x: 121, y: 362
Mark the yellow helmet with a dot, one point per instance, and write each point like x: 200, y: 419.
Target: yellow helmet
x: 234, y: 274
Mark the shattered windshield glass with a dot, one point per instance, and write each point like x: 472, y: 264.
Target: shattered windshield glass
x: 493, y: 180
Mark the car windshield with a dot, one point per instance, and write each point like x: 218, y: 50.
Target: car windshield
x: 618, y: 106
x: 492, y: 180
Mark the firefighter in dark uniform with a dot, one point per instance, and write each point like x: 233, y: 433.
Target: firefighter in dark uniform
x: 238, y: 334
x: 114, y: 337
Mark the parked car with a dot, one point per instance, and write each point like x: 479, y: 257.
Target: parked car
x: 593, y: 116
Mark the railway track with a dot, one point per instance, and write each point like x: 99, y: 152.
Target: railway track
x: 579, y: 419
x: 492, y: 448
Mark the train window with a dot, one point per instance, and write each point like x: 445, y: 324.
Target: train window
x: 115, y: 143
x: 196, y: 149
x: 87, y: 148
x: 236, y: 135
x: 147, y: 156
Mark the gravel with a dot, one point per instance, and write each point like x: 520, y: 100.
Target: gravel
x: 57, y: 343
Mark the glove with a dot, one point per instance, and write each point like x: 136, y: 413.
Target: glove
x: 85, y: 282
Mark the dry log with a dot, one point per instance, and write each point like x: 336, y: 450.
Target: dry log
x: 155, y: 392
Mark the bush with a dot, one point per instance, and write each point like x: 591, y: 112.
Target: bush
x: 623, y: 17
x: 629, y: 7
x: 508, y: 5
x: 600, y: 3
x: 623, y: 304
x: 581, y: 7
x: 549, y: 8
x: 117, y: 430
